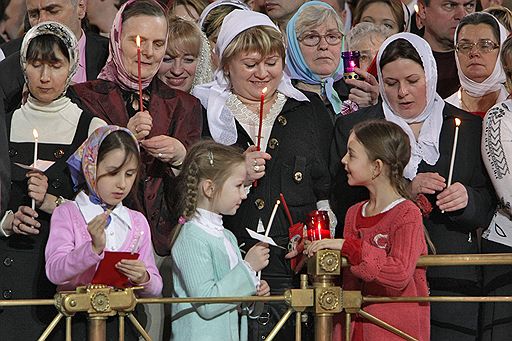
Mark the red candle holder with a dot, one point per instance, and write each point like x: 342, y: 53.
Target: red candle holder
x: 317, y: 225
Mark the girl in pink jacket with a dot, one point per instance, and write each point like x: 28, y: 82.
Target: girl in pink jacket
x: 96, y: 221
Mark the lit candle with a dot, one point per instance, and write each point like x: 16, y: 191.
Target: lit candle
x: 262, y: 101
x: 141, y: 105
x: 454, y: 151
x: 34, y: 164
x: 258, y: 138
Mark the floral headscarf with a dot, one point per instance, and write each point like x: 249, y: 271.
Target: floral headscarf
x: 61, y: 32
x: 114, y: 70
x: 84, y: 162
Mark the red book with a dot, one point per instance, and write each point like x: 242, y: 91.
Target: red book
x: 108, y: 274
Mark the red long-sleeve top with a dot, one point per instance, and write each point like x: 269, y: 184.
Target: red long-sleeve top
x: 383, y: 251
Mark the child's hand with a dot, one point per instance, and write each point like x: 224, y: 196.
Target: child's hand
x: 96, y: 228
x: 264, y: 289
x: 134, y: 269
x: 334, y: 244
x: 258, y: 256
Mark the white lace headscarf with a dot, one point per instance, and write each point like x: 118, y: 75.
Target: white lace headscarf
x: 213, y: 95
x: 426, y: 147
x: 495, y: 80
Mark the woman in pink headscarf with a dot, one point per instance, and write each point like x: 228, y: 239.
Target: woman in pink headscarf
x: 165, y: 126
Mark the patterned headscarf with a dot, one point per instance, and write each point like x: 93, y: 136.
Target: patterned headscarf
x: 297, y: 67
x: 84, y: 162
x: 61, y: 32
x: 114, y: 70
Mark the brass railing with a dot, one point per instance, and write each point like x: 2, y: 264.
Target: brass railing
x: 322, y: 298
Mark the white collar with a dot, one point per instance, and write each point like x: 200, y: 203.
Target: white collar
x: 209, y: 221
x: 90, y: 210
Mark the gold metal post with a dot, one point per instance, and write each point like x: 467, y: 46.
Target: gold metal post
x: 50, y: 327
x: 347, y: 326
x: 298, y: 326
x: 121, y: 326
x: 68, y: 328
x: 139, y: 328
x: 279, y: 324
x: 97, y: 328
x: 386, y: 326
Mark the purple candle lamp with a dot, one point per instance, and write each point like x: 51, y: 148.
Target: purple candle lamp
x: 350, y: 61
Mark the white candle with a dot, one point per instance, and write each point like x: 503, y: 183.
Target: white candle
x: 454, y: 152
x: 267, y: 231
x: 34, y: 164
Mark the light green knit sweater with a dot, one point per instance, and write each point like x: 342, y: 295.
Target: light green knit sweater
x: 201, y: 269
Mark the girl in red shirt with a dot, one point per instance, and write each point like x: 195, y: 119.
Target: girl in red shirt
x: 383, y: 236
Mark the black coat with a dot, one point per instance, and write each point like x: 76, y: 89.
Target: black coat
x: 5, y: 169
x: 12, y: 80
x: 299, y: 146
x: 451, y: 233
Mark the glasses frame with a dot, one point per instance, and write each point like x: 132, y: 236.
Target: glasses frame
x: 320, y: 36
x: 479, y: 49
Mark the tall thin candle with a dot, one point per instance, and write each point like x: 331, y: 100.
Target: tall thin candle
x: 260, y: 125
x: 454, y: 152
x: 141, y: 104
x: 286, y: 209
x: 34, y: 164
x: 262, y: 102
x: 267, y: 231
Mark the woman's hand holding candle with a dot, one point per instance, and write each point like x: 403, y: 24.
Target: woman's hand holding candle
x: 25, y: 222
x: 255, y: 162
x: 427, y: 183
x: 364, y: 91
x: 134, y: 269
x: 96, y: 228
x: 165, y: 148
x: 37, y: 187
x: 140, y: 124
x: 453, y: 198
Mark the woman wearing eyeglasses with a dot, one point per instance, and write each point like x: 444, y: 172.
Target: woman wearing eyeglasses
x: 497, y: 237
x: 313, y: 60
x: 477, y: 44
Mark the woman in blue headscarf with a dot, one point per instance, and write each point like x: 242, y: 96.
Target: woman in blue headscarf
x: 313, y: 60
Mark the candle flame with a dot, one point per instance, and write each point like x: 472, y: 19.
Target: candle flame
x: 137, y: 40
x: 416, y: 8
x: 264, y: 91
x: 35, y: 133
x: 457, y: 122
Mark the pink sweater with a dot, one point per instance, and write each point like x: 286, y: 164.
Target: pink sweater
x: 383, y: 251
x: 70, y: 261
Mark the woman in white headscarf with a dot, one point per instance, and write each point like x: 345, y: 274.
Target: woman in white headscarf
x: 295, y: 135
x: 407, y: 78
x: 49, y: 58
x: 478, y: 40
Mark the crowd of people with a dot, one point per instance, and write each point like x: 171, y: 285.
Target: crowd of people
x: 168, y: 129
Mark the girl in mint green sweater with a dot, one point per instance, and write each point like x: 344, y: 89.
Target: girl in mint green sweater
x: 207, y: 261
